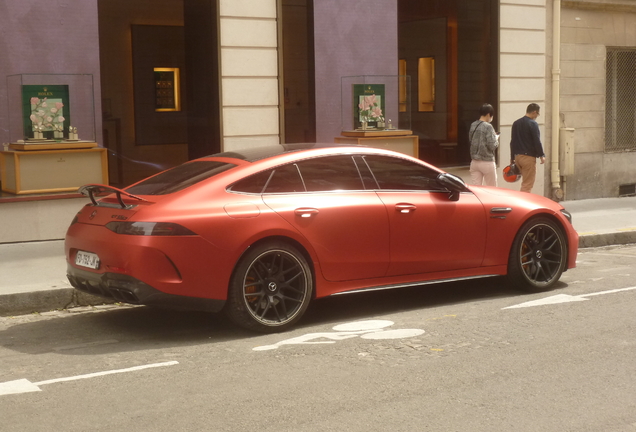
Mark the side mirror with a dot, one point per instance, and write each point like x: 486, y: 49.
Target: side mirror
x: 454, y: 184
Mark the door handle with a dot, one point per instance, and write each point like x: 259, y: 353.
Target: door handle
x: 405, y: 207
x: 500, y: 210
x: 306, y: 212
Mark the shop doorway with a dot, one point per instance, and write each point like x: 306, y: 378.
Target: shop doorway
x: 159, y: 84
x: 298, y: 73
x: 450, y: 50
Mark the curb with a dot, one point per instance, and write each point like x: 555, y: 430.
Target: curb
x: 44, y: 301
x: 607, y: 239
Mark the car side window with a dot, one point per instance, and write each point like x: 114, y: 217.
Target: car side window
x: 330, y: 173
x: 400, y: 174
x: 252, y: 184
x: 285, y: 179
x: 179, y: 178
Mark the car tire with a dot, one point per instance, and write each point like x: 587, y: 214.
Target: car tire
x: 270, y: 289
x: 538, y: 256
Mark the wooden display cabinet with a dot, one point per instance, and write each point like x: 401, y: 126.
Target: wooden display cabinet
x: 399, y: 140
x: 55, y: 169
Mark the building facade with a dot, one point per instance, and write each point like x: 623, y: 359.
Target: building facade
x: 598, y: 96
x: 256, y: 72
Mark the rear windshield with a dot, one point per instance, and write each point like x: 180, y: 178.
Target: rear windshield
x: 179, y: 178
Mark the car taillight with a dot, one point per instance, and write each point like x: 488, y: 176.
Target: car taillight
x: 149, y: 228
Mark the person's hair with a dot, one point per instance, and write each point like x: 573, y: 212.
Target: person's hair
x: 486, y: 109
x: 532, y: 108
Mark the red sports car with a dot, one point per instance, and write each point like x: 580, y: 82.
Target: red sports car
x: 259, y: 233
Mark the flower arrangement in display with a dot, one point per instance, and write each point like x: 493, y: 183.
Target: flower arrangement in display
x: 370, y: 110
x: 46, y: 115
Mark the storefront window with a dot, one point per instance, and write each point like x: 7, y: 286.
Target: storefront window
x: 451, y: 47
x: 426, y: 84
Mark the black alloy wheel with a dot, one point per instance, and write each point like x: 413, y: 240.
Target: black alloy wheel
x: 538, y: 256
x: 271, y: 288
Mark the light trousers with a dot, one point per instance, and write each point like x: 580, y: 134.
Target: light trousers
x: 528, y: 167
x: 483, y: 173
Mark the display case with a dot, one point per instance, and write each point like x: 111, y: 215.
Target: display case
x: 376, y: 111
x: 51, y: 107
x: 375, y: 103
x: 52, y: 132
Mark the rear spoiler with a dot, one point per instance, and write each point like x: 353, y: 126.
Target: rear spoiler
x: 92, y: 190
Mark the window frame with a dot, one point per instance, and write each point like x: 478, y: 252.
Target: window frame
x: 358, y: 159
x: 615, y: 86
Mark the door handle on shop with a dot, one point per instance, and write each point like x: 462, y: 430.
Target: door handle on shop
x: 405, y: 207
x: 306, y: 212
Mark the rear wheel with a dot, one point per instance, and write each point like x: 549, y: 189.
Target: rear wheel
x: 538, y: 256
x: 270, y: 289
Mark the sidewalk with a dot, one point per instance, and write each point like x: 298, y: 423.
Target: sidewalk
x: 604, y: 221
x: 33, y: 275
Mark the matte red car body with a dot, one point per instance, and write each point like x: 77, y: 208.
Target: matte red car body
x: 349, y: 247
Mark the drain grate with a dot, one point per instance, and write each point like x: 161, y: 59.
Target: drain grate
x: 627, y: 190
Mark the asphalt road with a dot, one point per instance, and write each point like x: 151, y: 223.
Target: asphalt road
x: 449, y: 357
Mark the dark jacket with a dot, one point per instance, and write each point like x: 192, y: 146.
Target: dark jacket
x: 526, y: 138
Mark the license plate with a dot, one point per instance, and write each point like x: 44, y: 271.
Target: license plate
x: 87, y: 259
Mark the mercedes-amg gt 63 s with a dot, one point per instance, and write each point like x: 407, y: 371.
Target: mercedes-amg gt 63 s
x: 259, y: 233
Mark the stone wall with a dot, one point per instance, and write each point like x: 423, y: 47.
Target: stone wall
x: 522, y: 73
x: 587, y: 29
x: 249, y: 73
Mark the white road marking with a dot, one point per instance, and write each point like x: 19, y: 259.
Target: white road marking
x: 368, y: 329
x: 566, y: 298
x: 309, y: 339
x: 25, y: 386
x: 18, y: 386
x: 96, y: 374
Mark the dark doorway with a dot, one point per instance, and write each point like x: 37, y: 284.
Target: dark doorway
x: 203, y: 77
x: 451, y: 46
x: 298, y: 71
x: 160, y: 84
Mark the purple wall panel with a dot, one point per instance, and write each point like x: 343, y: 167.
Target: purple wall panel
x: 48, y: 37
x: 352, y: 37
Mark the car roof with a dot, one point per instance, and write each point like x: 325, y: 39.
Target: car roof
x: 254, y: 154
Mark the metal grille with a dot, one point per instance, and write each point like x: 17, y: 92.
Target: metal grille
x: 627, y: 190
x: 620, y: 100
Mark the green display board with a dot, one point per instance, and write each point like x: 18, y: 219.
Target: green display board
x: 368, y: 104
x: 45, y: 108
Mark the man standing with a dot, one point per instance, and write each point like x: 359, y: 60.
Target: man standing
x: 525, y: 146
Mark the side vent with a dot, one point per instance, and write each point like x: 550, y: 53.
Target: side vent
x: 627, y: 190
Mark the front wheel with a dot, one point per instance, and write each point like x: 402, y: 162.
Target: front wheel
x: 538, y: 256
x: 270, y: 289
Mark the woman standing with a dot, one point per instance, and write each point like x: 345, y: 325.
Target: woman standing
x: 483, y: 144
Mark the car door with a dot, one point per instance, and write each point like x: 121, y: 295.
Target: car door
x: 429, y: 232
x: 325, y: 200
